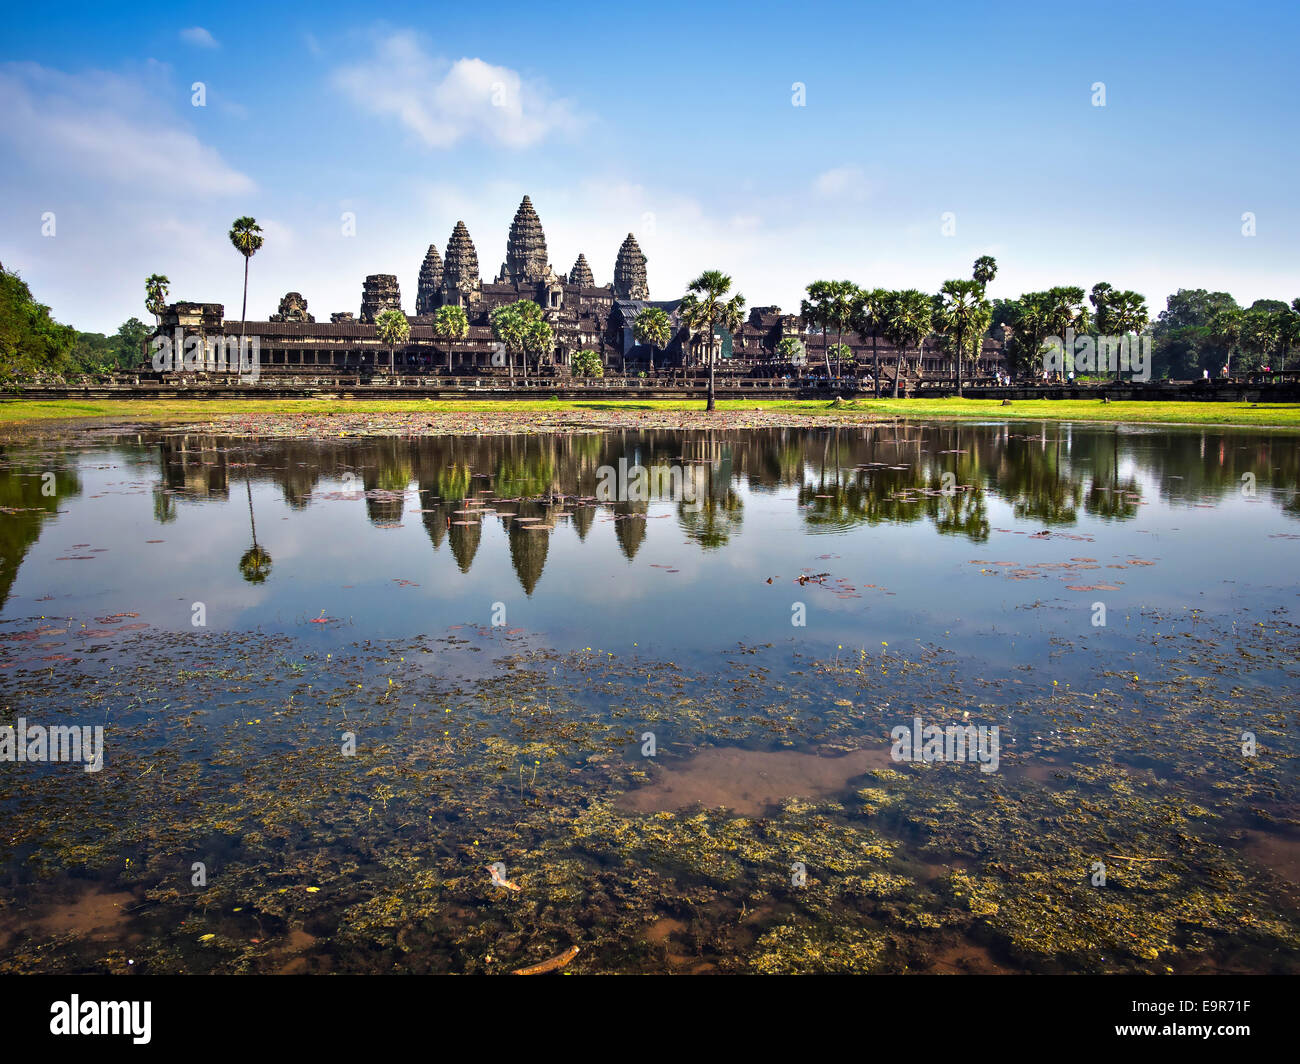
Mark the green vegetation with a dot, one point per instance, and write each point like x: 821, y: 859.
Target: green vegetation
x: 449, y: 325
x: 19, y: 411
x: 586, y: 363
x: 244, y: 236
x: 653, y: 327
x: 705, y: 309
x: 393, y: 329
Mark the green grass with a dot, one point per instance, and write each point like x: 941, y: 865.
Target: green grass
x: 19, y: 411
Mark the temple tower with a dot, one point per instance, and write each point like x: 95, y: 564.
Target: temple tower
x: 629, y: 271
x: 460, y: 277
x: 526, y: 261
x: 581, y: 273
x: 430, y: 288
x: 380, y: 292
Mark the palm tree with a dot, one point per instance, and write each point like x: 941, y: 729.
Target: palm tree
x: 839, y: 307
x: 816, y: 310
x: 1225, y: 330
x: 986, y: 268
x: 652, y: 327
x: 864, y: 317
x: 1127, y: 313
x: 959, y: 306
x: 255, y: 563
x: 1065, y: 311
x: 704, y: 309
x: 905, y: 322
x: 244, y: 235
x: 155, y: 295
x: 733, y: 318
x: 450, y: 323
x: 393, y: 329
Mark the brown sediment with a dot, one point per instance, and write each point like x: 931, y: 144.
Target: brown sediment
x: 751, y: 781
x: 549, y: 966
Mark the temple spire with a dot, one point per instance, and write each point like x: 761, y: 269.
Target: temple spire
x: 426, y: 295
x: 460, y: 274
x: 629, y: 271
x: 581, y: 273
x: 526, y: 260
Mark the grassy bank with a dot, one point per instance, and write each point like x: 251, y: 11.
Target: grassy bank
x: 18, y: 411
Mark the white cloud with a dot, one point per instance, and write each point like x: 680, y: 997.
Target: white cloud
x: 199, y: 37
x: 107, y: 128
x: 443, y: 102
x: 843, y: 182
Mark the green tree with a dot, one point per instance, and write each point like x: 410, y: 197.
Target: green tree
x: 31, y: 342
x: 816, y: 312
x: 586, y: 363
x: 393, y: 329
x: 450, y: 324
x: 155, y: 295
x: 1225, y: 330
x: 905, y: 323
x: 961, y: 308
x: 864, y: 317
x: 245, y: 235
x: 986, y: 268
x: 791, y: 349
x: 652, y: 327
x: 704, y: 309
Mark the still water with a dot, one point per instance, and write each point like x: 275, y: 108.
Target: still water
x: 500, y: 621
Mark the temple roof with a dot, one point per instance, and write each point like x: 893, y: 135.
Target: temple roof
x: 460, y: 269
x: 630, y: 271
x: 581, y: 273
x: 526, y: 258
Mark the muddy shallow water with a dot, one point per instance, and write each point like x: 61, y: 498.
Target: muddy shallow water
x: 339, y: 678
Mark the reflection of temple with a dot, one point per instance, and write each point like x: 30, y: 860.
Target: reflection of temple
x: 582, y: 315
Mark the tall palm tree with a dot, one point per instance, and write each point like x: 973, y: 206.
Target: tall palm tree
x: 816, y: 311
x: 652, y: 327
x: 959, y: 307
x: 1225, y: 330
x: 393, y: 329
x: 864, y: 317
x: 255, y: 563
x: 839, y: 307
x: 155, y: 295
x: 704, y: 309
x: 450, y: 324
x: 244, y: 234
x: 986, y: 268
x: 1126, y: 313
x: 905, y: 322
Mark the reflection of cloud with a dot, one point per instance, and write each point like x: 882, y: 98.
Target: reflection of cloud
x: 444, y: 102
x: 106, y: 127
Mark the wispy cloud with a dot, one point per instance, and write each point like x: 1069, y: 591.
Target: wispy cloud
x: 199, y: 37
x: 442, y: 102
x: 843, y: 183
x: 107, y: 128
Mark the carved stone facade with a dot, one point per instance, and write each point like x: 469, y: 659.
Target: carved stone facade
x: 379, y: 293
x: 581, y: 315
x: 460, y: 277
x: 430, y: 286
x: 581, y: 273
x: 292, y: 308
x: 526, y: 259
x: 629, y: 271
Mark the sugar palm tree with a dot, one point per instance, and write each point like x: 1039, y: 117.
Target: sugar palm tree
x: 1225, y: 330
x: 905, y: 323
x: 704, y: 309
x: 959, y: 307
x: 255, y: 563
x: 155, y: 295
x: 244, y: 235
x: 393, y: 329
x: 816, y: 311
x: 450, y: 324
x: 652, y: 327
x: 986, y: 268
x: 864, y: 318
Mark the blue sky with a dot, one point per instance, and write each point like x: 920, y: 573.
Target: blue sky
x: 671, y: 121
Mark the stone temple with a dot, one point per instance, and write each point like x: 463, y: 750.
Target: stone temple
x: 582, y: 315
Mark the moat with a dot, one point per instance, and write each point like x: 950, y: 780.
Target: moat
x: 340, y: 678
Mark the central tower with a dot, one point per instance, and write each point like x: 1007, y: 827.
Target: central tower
x: 526, y: 259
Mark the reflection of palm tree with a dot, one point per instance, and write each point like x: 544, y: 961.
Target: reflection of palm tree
x: 255, y: 565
